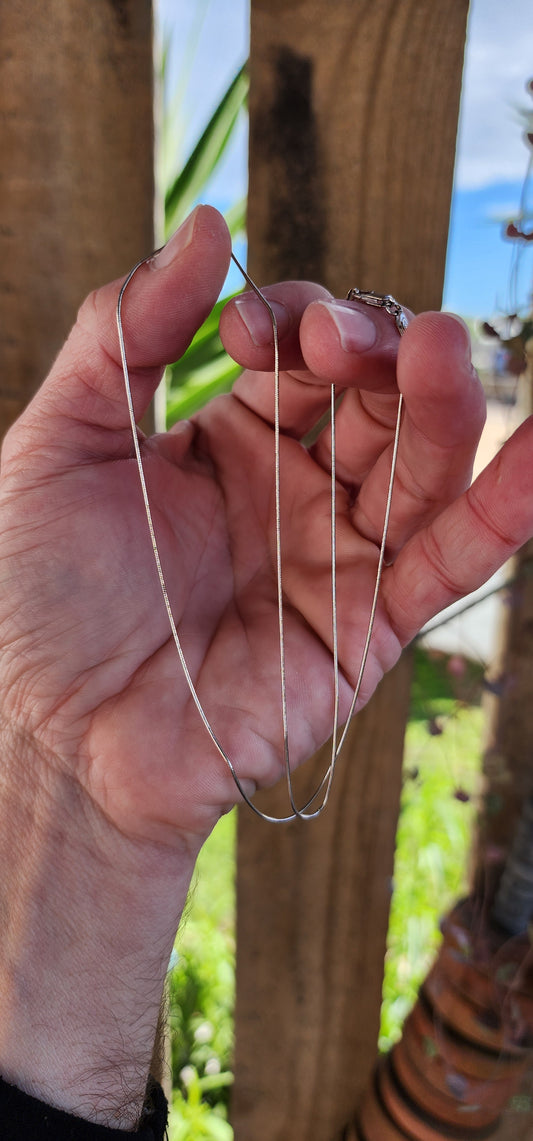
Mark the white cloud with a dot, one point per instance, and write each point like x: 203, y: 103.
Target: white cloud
x: 499, y: 61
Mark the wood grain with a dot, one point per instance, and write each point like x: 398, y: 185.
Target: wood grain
x: 509, y: 702
x: 312, y: 906
x: 76, y: 178
x: 509, y: 746
x: 353, y: 111
x: 352, y: 140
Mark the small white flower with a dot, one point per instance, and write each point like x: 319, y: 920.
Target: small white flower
x: 212, y: 1066
x: 187, y: 1075
x: 204, y: 1032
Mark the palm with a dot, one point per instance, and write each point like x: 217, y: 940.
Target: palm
x: 126, y: 711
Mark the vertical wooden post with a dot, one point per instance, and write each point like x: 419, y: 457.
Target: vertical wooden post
x: 77, y: 170
x: 507, y: 756
x: 353, y: 109
x: 509, y: 709
x: 509, y: 703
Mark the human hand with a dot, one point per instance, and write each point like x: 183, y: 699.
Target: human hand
x: 90, y: 670
x: 110, y: 782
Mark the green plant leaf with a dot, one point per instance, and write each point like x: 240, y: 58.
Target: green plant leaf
x: 205, y: 370
x: 212, y: 379
x: 236, y: 218
x: 210, y: 147
x: 204, y: 363
x: 190, y: 1119
x: 215, y: 1081
x: 205, y: 346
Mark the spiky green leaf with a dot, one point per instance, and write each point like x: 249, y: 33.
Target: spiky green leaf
x: 188, y: 184
x: 210, y: 380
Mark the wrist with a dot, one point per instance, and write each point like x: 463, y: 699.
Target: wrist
x: 89, y: 921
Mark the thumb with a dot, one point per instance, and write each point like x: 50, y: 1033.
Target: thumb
x: 82, y: 403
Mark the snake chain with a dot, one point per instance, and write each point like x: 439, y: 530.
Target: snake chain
x: 305, y: 812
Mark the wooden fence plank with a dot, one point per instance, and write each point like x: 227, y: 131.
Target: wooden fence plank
x: 352, y: 138
x: 76, y: 179
x: 509, y: 707
x: 312, y: 906
x: 77, y: 171
x: 507, y: 757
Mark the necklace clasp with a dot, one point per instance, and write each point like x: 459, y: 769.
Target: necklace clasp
x: 381, y: 301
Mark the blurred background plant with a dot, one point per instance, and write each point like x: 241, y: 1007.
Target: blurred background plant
x: 439, y: 803
x: 201, y: 996
x: 205, y: 370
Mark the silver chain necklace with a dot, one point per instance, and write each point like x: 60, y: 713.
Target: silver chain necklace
x: 305, y: 812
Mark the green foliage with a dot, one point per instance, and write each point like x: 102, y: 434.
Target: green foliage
x: 205, y: 370
x: 186, y: 186
x: 437, y: 690
x: 438, y: 808
x: 192, y: 1119
x: 201, y: 991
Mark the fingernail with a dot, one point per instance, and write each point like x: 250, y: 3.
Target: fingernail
x: 357, y: 332
x: 258, y: 321
x: 177, y: 243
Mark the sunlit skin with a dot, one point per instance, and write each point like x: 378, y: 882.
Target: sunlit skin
x: 93, y: 699
x: 89, y: 665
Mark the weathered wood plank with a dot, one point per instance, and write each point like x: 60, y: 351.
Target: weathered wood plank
x: 353, y: 111
x: 312, y: 906
x: 509, y: 746
x: 76, y: 178
x: 353, y: 122
x: 77, y: 171
x: 509, y: 707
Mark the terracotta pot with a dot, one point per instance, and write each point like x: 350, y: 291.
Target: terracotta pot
x: 468, y: 927
x: 469, y: 980
x: 491, y: 969
x: 462, y: 1054
x: 452, y: 1065
x: 415, y: 1123
x: 441, y: 1104
x: 374, y: 1122
x: 484, y: 1028
x: 483, y: 1002
x: 507, y: 960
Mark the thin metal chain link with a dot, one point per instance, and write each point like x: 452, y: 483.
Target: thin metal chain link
x: 394, y: 309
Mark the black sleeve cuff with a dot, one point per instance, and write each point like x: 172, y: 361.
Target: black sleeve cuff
x: 24, y: 1118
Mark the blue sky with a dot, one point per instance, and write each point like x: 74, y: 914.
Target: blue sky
x: 491, y: 155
